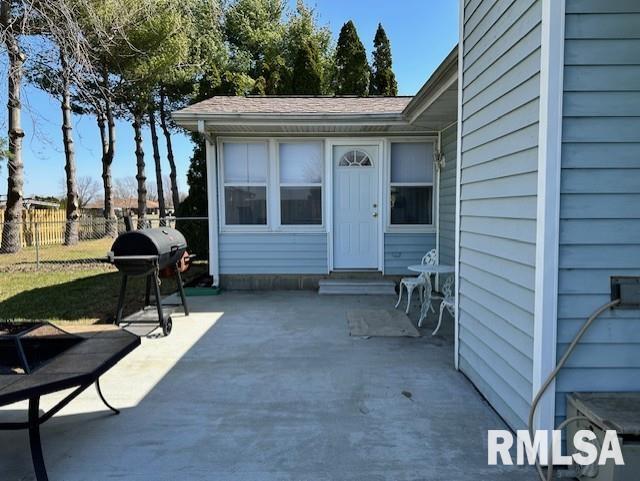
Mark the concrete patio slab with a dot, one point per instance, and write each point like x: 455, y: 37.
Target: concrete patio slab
x: 270, y: 386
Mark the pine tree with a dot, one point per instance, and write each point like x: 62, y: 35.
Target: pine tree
x: 383, y: 80
x: 307, y: 73
x: 195, y: 204
x: 351, y: 66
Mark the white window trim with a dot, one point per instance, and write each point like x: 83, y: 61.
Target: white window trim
x: 313, y: 228
x: 327, y: 142
x: 258, y: 228
x: 273, y: 187
x: 390, y: 228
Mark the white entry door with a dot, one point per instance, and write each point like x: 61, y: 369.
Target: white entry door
x: 355, y: 206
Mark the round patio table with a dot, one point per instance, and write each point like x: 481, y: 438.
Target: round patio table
x: 432, y: 269
x: 429, y: 269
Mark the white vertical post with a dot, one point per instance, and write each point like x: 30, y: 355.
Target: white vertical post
x: 548, y: 207
x: 436, y: 202
x: 212, y: 209
x: 456, y: 344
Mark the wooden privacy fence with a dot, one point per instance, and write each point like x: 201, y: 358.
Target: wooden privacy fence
x: 44, y: 227
x: 47, y: 227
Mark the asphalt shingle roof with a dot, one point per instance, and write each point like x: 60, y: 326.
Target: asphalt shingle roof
x: 298, y: 105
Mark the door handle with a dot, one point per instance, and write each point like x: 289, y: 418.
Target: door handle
x: 375, y: 214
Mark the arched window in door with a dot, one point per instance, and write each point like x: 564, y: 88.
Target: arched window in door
x: 355, y: 158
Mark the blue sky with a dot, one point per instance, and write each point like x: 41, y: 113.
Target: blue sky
x: 422, y: 33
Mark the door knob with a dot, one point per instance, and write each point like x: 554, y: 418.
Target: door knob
x: 375, y: 214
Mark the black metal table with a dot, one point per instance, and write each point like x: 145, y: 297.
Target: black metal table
x: 78, y: 367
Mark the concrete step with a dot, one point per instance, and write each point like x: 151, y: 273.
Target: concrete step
x: 357, y: 287
x: 367, y: 275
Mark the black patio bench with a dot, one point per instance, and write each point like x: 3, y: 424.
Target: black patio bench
x: 47, y: 360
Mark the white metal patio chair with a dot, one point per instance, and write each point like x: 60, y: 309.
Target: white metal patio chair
x: 422, y: 282
x: 448, y: 302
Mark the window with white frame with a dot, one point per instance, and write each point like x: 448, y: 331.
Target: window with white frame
x: 300, y: 178
x: 245, y: 175
x: 411, y: 183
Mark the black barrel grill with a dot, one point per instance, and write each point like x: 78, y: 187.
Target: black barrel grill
x: 150, y: 253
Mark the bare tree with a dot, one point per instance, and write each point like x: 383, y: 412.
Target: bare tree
x: 54, y: 74
x: 141, y: 177
x: 175, y: 195
x: 12, y: 27
x: 57, y: 26
x: 125, y: 190
x: 88, y: 189
x: 107, y: 126
x: 72, y: 231
x: 156, y: 159
x: 152, y: 191
x: 167, y: 183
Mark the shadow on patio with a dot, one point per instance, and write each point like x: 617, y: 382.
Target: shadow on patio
x: 269, y: 385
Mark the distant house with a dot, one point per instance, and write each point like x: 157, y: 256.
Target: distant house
x: 121, y: 206
x: 519, y: 160
x: 31, y: 203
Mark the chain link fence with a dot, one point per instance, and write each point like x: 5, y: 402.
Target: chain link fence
x: 41, y: 244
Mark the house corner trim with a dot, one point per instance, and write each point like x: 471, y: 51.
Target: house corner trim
x: 548, y: 207
x: 456, y: 323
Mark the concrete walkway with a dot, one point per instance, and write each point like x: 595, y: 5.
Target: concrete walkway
x: 269, y: 386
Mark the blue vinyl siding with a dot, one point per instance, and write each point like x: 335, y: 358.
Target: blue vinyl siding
x: 402, y: 250
x: 273, y: 253
x: 498, y: 199
x: 280, y: 253
x: 600, y: 194
x: 447, y: 200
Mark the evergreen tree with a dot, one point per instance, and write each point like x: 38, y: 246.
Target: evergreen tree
x: 351, y: 67
x: 195, y: 204
x: 307, y: 46
x: 307, y: 73
x: 268, y: 50
x: 254, y: 30
x: 383, y: 80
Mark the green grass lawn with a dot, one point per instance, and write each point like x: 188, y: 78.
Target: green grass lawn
x: 52, y: 256
x: 84, y: 295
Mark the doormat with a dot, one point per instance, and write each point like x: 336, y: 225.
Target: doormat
x: 201, y: 291
x: 380, y: 322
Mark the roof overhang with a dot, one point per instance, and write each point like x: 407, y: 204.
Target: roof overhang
x: 432, y: 109
x: 225, y: 123
x: 435, y: 106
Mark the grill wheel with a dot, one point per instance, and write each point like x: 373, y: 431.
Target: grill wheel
x: 167, y: 326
